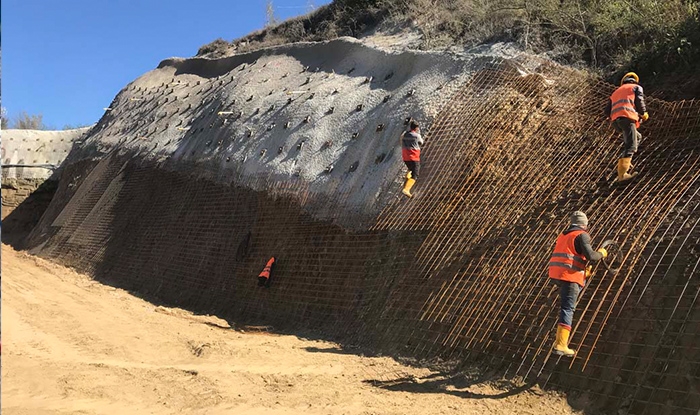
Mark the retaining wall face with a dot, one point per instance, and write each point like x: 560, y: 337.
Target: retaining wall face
x: 508, y: 160
x: 189, y: 241
x: 36, y: 147
x: 460, y: 271
x: 43, y: 152
x: 329, y: 114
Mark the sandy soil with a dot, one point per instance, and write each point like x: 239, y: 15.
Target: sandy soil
x: 71, y: 345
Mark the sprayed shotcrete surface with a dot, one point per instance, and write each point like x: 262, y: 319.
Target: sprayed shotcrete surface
x: 182, y: 205
x: 306, y: 113
x: 37, y: 155
x: 36, y: 148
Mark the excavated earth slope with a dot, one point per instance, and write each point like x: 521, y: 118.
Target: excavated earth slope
x: 325, y: 117
x: 203, y: 169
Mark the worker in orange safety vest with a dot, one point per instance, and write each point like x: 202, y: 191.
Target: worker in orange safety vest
x: 568, y: 267
x: 411, y: 141
x: 264, y: 277
x: 626, y: 108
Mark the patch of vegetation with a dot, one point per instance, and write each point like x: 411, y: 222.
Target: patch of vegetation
x: 4, y: 120
x: 25, y: 121
x: 215, y: 49
x: 651, y: 37
x: 340, y: 18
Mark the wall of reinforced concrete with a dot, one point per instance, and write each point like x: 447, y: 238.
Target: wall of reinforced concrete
x: 35, y: 154
x: 460, y: 271
x: 29, y: 159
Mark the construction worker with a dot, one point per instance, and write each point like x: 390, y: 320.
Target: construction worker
x: 569, y: 268
x: 264, y: 277
x: 625, y: 109
x: 411, y: 141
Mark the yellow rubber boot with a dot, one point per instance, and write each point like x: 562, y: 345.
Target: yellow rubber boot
x: 408, y: 175
x: 561, y: 345
x: 407, y: 187
x: 623, y: 166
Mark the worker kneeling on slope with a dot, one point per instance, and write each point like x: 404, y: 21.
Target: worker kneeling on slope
x: 411, y: 141
x: 264, y: 277
x: 568, y: 267
x: 626, y: 108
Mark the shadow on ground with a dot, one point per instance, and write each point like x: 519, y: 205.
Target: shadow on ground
x: 452, y: 384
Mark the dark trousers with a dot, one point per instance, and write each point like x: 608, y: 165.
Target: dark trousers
x: 568, y: 294
x: 413, y: 167
x: 630, y: 136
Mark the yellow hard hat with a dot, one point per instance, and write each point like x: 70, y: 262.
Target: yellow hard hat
x: 630, y: 75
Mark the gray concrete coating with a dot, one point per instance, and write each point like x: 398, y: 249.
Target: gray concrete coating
x: 40, y: 151
x: 289, y: 114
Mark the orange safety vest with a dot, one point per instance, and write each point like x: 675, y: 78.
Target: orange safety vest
x: 623, y: 103
x: 266, y: 271
x: 566, y: 264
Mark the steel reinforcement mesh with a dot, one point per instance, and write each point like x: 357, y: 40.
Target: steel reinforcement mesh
x: 459, y: 271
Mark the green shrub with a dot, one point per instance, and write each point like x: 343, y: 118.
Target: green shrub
x: 609, y: 36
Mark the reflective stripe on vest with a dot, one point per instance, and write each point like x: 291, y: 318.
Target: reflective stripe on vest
x: 565, y: 263
x: 623, y: 103
x: 578, y: 263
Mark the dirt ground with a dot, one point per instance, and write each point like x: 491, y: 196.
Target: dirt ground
x: 73, y: 346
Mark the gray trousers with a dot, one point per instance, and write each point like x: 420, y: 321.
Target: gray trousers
x: 630, y: 136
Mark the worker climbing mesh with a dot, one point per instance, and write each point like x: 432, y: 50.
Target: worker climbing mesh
x: 458, y: 272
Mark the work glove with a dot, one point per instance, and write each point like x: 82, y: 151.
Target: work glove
x: 589, y: 271
x: 604, y: 252
x: 645, y: 116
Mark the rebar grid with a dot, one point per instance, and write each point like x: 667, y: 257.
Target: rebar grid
x: 511, y: 183
x: 458, y: 272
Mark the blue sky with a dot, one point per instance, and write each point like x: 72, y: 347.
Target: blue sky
x: 67, y: 59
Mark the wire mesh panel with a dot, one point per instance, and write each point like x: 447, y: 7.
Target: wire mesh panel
x: 457, y: 272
